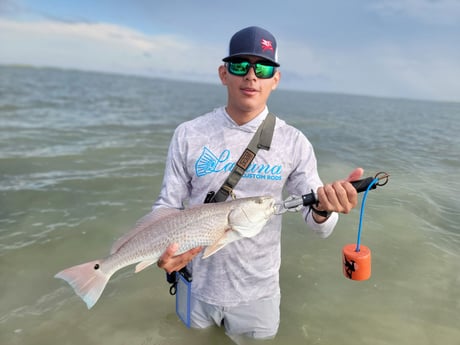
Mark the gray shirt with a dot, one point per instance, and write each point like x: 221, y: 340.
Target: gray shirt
x: 201, y: 155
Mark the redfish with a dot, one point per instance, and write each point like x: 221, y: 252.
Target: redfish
x: 212, y: 225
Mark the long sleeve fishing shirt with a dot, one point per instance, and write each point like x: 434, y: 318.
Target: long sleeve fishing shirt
x: 201, y: 155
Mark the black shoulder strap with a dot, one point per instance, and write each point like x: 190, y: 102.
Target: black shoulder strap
x: 262, y: 139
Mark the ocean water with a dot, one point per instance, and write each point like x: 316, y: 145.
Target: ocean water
x: 82, y: 157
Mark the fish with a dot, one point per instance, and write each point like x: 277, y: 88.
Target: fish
x: 212, y: 225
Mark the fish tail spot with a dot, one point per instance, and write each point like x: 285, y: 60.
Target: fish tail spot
x: 87, y: 280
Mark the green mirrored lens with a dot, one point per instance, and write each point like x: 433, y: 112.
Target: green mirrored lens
x: 239, y: 68
x: 242, y: 68
x: 264, y: 71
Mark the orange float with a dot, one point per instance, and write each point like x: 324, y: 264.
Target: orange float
x: 356, y: 258
x: 356, y: 262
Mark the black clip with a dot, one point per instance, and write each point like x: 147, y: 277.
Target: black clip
x: 210, y: 197
x: 173, y: 279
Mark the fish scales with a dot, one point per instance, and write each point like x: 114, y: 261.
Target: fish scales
x: 188, y: 229
x: 211, y: 225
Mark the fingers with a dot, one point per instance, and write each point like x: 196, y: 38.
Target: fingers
x: 179, y: 261
x: 171, y: 262
x: 351, y: 199
x: 355, y: 174
x: 169, y: 253
x: 339, y: 196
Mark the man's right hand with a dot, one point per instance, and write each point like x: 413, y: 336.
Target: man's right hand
x: 170, y: 262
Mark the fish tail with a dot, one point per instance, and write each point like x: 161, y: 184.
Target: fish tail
x: 87, y: 280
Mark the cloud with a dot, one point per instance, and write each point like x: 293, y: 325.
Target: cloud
x: 440, y: 12
x: 8, y: 7
x: 381, y: 69
x: 103, y: 47
x: 386, y: 67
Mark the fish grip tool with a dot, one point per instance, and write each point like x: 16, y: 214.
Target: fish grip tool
x: 294, y: 203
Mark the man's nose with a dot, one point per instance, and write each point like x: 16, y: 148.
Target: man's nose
x: 251, y: 73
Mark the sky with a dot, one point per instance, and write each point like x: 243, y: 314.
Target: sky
x: 386, y: 48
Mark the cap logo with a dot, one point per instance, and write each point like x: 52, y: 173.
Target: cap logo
x: 266, y: 45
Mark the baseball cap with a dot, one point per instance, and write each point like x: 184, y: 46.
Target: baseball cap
x: 254, y: 41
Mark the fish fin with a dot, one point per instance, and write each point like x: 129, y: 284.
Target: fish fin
x: 87, y: 280
x: 141, y: 225
x: 226, y: 238
x: 144, y: 264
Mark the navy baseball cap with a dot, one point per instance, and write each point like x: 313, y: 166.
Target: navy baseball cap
x: 253, y: 41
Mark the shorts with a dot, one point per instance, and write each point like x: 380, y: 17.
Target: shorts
x: 257, y: 319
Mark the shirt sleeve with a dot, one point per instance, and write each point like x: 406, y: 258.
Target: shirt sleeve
x: 303, y: 179
x: 175, y: 189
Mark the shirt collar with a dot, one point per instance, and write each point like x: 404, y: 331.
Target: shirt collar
x: 250, y: 126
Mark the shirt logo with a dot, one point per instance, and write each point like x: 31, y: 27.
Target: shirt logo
x: 207, y: 163
x: 266, y: 45
x: 210, y: 163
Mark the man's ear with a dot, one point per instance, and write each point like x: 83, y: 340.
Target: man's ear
x: 223, y: 74
x: 276, y: 79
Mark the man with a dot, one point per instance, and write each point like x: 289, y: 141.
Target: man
x: 239, y: 286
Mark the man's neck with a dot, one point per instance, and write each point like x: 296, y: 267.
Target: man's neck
x: 242, y: 117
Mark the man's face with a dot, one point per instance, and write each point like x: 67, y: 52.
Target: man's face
x: 247, y: 94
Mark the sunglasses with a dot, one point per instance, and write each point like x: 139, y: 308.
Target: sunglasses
x: 262, y: 70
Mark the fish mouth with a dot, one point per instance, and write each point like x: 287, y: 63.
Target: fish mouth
x: 271, y: 205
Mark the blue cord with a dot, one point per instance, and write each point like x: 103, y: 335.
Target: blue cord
x: 361, y: 215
